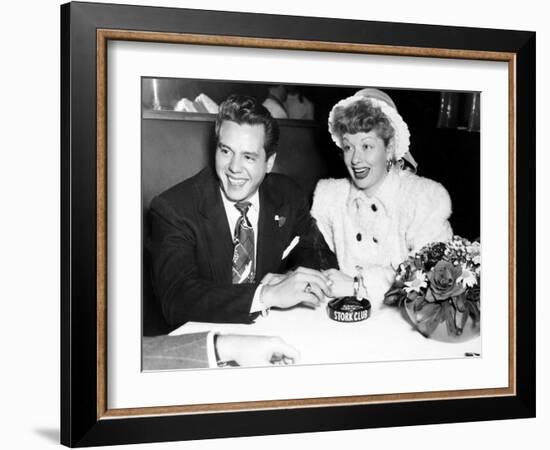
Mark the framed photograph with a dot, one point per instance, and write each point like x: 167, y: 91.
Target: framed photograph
x: 279, y: 224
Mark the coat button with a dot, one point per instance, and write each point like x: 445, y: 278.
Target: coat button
x: 375, y: 240
x: 373, y: 207
x: 359, y: 237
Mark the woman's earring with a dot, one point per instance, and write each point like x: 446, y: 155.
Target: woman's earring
x: 389, y: 164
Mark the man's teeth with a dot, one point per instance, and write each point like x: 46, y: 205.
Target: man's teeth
x: 235, y: 182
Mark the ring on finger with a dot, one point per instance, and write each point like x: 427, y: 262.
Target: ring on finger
x: 307, y: 289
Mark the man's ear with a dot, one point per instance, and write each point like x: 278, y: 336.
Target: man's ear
x: 271, y: 162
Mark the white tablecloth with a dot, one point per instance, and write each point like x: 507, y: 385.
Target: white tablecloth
x: 385, y: 336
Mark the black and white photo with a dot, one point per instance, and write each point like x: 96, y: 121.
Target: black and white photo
x: 308, y: 224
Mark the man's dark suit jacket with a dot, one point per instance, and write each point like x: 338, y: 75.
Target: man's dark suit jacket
x: 191, y: 247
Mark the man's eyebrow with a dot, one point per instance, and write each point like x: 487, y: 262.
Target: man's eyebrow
x: 252, y: 153
x: 221, y: 144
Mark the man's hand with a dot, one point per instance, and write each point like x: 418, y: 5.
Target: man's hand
x: 302, y: 285
x: 255, y: 350
x: 273, y: 278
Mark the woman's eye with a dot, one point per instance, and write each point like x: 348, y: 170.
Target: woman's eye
x: 346, y: 148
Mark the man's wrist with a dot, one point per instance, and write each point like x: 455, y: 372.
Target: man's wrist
x: 264, y: 308
x: 258, y: 304
x: 211, y: 349
x: 266, y: 297
x: 220, y: 351
x: 226, y: 348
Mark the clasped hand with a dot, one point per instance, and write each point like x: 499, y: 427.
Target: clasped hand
x: 304, y: 286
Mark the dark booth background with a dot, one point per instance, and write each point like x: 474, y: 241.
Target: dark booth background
x: 445, y: 141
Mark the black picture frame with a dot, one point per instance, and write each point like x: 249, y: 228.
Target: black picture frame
x: 82, y: 421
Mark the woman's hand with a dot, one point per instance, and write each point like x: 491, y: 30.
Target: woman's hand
x: 341, y: 285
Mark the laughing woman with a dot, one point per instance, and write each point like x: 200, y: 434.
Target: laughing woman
x: 383, y: 212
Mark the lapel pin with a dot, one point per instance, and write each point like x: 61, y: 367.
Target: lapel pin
x: 280, y: 220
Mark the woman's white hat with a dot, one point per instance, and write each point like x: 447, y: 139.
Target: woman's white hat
x: 400, y: 142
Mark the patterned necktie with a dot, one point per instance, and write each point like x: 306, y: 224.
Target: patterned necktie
x: 243, y: 252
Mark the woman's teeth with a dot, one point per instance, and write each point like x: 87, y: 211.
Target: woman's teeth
x: 361, y: 173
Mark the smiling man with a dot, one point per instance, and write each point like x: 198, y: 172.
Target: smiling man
x: 219, y: 238
x: 241, y: 160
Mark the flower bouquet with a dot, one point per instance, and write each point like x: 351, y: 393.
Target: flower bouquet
x: 440, y: 283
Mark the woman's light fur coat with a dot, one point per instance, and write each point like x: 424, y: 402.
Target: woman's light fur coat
x: 378, y: 233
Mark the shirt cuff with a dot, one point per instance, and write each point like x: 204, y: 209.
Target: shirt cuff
x: 257, y: 305
x: 210, y: 350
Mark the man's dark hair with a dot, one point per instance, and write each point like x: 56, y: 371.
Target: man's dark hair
x: 243, y: 109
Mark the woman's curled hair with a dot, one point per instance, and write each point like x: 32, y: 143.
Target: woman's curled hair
x: 361, y: 116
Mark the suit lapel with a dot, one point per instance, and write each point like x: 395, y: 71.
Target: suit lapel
x: 268, y: 232
x: 218, y: 237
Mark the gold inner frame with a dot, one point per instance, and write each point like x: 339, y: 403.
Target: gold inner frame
x: 104, y: 35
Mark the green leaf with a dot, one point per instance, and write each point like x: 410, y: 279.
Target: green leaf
x: 419, y: 303
x: 394, y: 297
x: 449, y: 317
x: 459, y: 302
x: 428, y: 319
x: 474, y: 312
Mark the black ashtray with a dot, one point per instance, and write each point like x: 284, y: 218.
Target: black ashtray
x: 348, y: 309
